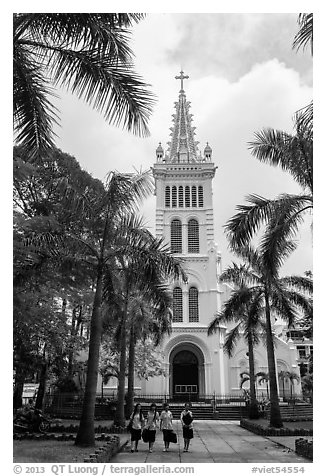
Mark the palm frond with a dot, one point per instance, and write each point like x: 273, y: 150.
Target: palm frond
x: 292, y: 153
x: 300, y: 283
x: 231, y: 340
x: 214, y: 324
x: 241, y: 228
x: 111, y: 86
x: 34, y: 114
x: 304, y: 37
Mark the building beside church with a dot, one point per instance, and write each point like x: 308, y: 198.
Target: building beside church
x: 195, y: 364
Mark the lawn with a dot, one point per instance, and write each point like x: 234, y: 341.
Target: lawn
x: 50, y: 451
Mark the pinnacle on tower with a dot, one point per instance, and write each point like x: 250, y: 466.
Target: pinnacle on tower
x: 208, y: 152
x: 159, y: 152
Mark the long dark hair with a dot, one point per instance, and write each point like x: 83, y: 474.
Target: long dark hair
x: 155, y: 411
x: 135, y: 411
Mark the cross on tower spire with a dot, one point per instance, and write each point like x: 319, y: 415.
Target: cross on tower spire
x: 182, y: 77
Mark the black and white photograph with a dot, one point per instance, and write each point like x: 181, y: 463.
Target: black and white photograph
x: 162, y: 240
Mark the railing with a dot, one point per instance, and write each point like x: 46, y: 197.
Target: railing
x: 71, y: 403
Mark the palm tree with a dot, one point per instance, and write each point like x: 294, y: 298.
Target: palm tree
x: 292, y: 376
x: 294, y: 154
x: 96, y: 230
x: 282, y: 375
x: 263, y: 377
x: 143, y: 270
x: 150, y: 317
x: 86, y: 53
x: 281, y: 295
x: 243, y: 307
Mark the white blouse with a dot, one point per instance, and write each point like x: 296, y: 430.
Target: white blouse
x: 152, y: 420
x: 137, y: 422
x: 166, y: 419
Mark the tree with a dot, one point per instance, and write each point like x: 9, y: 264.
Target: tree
x: 89, y: 55
x: 264, y: 377
x: 245, y: 308
x: 292, y: 376
x: 281, y: 295
x: 150, y: 317
x: 142, y: 270
x: 147, y: 360
x: 294, y: 154
x: 282, y: 375
x: 307, y: 386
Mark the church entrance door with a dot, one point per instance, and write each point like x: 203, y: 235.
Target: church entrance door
x: 185, y: 376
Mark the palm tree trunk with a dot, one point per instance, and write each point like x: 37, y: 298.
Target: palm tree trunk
x: 19, y: 386
x: 42, y: 385
x: 71, y: 351
x: 275, y: 413
x: 131, y: 372
x: 253, y: 405
x: 119, y: 418
x: 86, y: 434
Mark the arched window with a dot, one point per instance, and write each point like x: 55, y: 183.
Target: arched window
x: 187, y: 196
x: 176, y: 236
x: 193, y: 236
x: 180, y: 196
x: 174, y: 196
x: 193, y: 305
x: 200, y: 196
x: 194, y: 196
x: 177, y: 305
x: 167, y: 196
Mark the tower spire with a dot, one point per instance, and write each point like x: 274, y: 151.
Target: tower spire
x: 183, y: 146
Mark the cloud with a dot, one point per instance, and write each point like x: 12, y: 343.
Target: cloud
x: 241, y: 80
x: 228, y: 45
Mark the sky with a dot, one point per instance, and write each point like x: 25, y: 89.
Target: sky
x: 243, y: 76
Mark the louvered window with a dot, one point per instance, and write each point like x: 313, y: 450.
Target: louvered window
x: 193, y: 236
x: 177, y: 305
x: 193, y: 305
x: 181, y: 196
x: 167, y: 196
x: 174, y: 196
x: 200, y: 196
x: 194, y: 196
x: 176, y: 236
x: 187, y: 196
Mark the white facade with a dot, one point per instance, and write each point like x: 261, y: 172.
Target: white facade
x: 193, y: 361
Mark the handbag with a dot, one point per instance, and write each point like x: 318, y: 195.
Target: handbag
x: 173, y: 437
x: 129, y: 426
x: 145, y: 435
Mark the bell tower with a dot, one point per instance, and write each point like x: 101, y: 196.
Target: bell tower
x: 185, y: 220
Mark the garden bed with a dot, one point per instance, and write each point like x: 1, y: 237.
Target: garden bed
x: 293, y: 428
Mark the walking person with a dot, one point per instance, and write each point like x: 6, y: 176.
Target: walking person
x: 152, y: 423
x: 136, y: 424
x: 166, y: 426
x: 186, y: 419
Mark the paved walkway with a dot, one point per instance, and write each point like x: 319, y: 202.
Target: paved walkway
x: 214, y: 442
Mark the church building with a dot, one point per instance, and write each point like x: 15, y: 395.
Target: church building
x: 195, y: 364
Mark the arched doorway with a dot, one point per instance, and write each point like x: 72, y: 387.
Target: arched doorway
x: 187, y: 374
